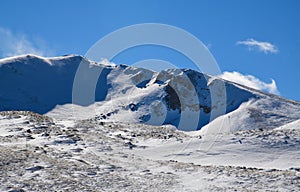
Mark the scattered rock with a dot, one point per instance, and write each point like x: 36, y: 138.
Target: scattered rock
x: 35, y: 168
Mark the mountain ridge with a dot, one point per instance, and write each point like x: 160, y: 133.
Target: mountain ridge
x: 181, y: 97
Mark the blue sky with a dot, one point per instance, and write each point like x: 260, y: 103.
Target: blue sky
x: 257, y: 38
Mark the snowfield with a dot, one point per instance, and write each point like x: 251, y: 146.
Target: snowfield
x: 146, y: 130
x: 39, y: 154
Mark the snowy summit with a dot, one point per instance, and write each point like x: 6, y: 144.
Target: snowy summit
x: 68, y: 123
x: 184, y: 98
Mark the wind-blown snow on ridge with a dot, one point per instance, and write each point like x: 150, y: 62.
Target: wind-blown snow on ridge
x: 182, y: 98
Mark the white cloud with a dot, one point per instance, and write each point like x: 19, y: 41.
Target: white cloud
x: 18, y: 44
x: 250, y: 81
x: 265, y: 47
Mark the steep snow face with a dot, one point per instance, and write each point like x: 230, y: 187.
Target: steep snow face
x: 205, y: 96
x: 35, y: 83
x: 264, y: 113
x: 38, y: 84
x: 184, y: 98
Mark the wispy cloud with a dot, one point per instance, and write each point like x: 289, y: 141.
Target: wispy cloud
x: 17, y: 44
x: 251, y: 81
x: 265, y: 47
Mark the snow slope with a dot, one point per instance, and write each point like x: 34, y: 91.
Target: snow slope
x: 34, y: 83
x: 292, y: 125
x: 184, y: 98
x: 39, y: 154
x: 108, y: 146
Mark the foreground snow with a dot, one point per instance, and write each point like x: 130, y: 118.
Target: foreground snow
x: 38, y: 153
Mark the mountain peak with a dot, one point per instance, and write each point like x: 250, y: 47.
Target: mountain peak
x: 184, y: 98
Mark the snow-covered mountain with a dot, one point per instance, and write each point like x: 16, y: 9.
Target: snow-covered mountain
x: 107, y: 146
x: 185, y: 98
